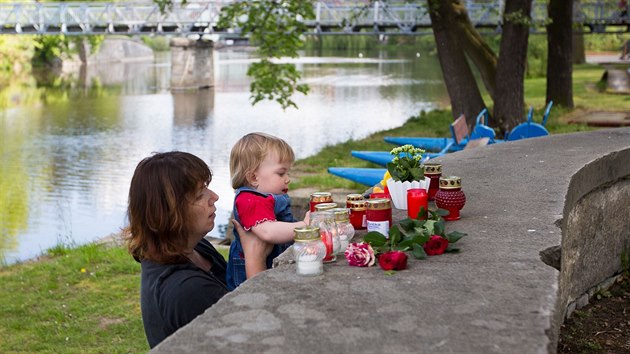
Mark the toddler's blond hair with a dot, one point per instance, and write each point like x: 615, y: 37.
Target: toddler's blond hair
x: 250, y: 151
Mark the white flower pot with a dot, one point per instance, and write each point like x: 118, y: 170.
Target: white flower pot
x: 398, y: 190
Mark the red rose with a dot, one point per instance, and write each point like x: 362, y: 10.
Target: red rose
x: 393, y: 260
x: 436, y: 245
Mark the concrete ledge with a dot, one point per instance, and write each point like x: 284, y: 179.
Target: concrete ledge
x: 496, y: 296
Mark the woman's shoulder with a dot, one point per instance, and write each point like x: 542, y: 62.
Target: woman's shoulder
x: 171, y: 279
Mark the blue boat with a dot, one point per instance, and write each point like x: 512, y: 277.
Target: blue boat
x: 366, y: 176
x: 428, y: 144
x: 383, y: 157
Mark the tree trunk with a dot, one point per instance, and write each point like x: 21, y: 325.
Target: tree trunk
x: 458, y: 77
x: 579, y: 56
x: 560, y: 48
x: 509, y: 95
x: 476, y: 48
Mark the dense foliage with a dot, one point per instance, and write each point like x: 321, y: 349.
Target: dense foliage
x: 275, y: 28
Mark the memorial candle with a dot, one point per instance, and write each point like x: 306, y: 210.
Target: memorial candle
x: 417, y: 202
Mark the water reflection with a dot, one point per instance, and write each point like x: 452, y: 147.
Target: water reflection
x: 70, y: 142
x: 193, y: 108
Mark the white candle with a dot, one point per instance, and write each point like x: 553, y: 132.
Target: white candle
x: 309, y: 265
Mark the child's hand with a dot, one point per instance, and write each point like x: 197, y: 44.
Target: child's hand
x: 307, y: 218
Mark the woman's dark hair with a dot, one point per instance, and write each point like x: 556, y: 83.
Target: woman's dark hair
x: 160, y: 194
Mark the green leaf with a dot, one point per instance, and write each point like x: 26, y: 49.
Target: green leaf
x: 407, y: 224
x: 429, y: 226
x: 375, y: 239
x: 421, y: 239
x: 405, y: 244
x: 418, y: 251
x: 451, y: 249
x: 394, y: 236
x: 454, y: 236
x: 439, y: 227
x: 442, y: 212
x: 389, y: 272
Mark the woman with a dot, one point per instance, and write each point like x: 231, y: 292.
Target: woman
x: 170, y: 211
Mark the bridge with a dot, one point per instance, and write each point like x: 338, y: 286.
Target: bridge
x: 332, y: 17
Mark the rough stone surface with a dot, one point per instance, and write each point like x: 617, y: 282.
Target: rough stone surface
x: 495, y: 296
x: 598, y: 233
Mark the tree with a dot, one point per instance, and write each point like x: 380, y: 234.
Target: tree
x: 275, y: 27
x: 509, y: 99
x: 458, y: 77
x: 560, y: 53
x: 578, y: 38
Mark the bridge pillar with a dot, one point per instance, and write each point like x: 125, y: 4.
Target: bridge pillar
x: 191, y: 64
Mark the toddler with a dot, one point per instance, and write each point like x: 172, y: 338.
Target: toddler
x: 259, y: 167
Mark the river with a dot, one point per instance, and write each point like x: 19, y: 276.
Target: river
x: 70, y: 143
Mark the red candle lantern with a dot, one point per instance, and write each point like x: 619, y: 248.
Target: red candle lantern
x: 353, y: 197
x: 434, y: 172
x: 358, y: 214
x: 379, y: 215
x: 450, y: 196
x: 318, y: 198
x: 417, y: 202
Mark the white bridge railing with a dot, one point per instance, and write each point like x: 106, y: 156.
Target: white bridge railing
x: 331, y: 17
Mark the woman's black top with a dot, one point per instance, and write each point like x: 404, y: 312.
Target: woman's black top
x: 171, y: 295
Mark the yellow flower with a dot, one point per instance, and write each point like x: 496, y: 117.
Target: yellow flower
x: 83, y: 270
x: 386, y: 176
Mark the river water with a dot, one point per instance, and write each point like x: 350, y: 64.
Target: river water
x: 70, y: 143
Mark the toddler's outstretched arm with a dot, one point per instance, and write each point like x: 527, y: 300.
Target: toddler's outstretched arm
x: 279, y: 232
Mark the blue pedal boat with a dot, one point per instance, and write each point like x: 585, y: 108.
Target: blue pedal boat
x: 366, y: 176
x: 383, y: 157
x: 428, y: 144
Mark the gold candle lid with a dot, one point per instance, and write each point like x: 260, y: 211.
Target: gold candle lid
x: 450, y: 182
x: 432, y: 169
x: 306, y: 233
x: 321, y: 197
x: 341, y: 214
x: 325, y: 206
x: 358, y: 205
x: 354, y: 196
x: 379, y: 204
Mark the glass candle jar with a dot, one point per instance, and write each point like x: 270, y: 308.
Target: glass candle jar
x: 417, y: 203
x: 353, y: 197
x: 450, y: 196
x: 434, y: 172
x: 379, y: 215
x: 309, y: 251
x: 357, y: 215
x: 345, y: 230
x: 325, y: 220
x: 325, y: 206
x: 318, y: 198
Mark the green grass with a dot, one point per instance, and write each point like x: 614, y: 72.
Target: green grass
x: 53, y: 306
x: 81, y: 300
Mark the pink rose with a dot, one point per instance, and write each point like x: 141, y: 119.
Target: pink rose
x: 436, y: 245
x: 393, y: 260
x: 360, y: 255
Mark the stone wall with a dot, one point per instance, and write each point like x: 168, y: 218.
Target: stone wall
x: 496, y: 296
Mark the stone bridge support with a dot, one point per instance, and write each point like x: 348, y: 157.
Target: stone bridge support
x: 191, y: 64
